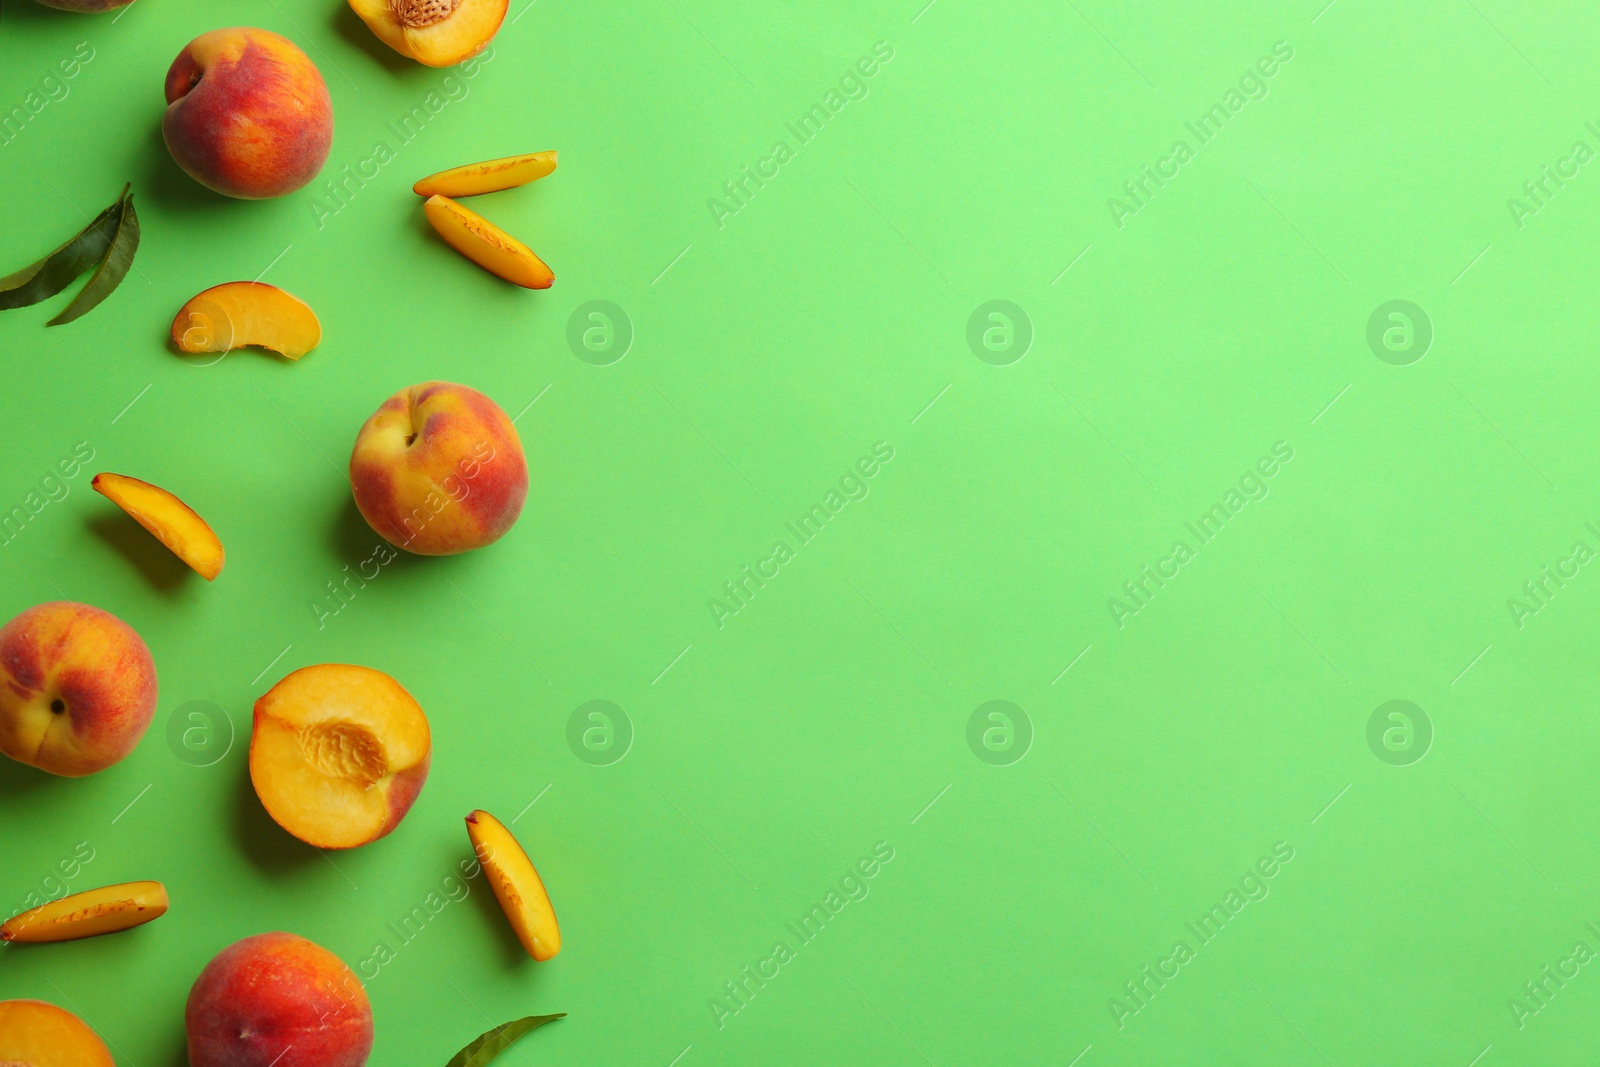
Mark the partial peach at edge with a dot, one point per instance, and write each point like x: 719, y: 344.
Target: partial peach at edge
x: 106, y: 910
x: 237, y: 314
x: 436, y: 33
x: 490, y: 176
x: 173, y: 522
x: 486, y: 244
x: 36, y: 1033
x: 516, y: 884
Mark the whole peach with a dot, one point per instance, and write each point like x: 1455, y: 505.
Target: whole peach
x: 77, y: 688
x: 277, y: 1000
x: 438, y: 469
x: 248, y: 114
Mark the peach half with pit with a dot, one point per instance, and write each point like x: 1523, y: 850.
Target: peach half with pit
x: 77, y: 688
x: 338, y: 754
x: 437, y: 33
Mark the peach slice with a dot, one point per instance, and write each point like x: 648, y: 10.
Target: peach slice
x: 236, y: 314
x: 488, y: 177
x: 36, y: 1034
x: 338, y: 754
x: 486, y: 244
x: 88, y: 914
x: 438, y: 33
x: 172, y: 521
x: 516, y: 885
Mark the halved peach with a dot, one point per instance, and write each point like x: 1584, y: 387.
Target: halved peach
x: 338, y: 754
x: 486, y: 244
x: 487, y: 177
x: 36, y: 1034
x: 439, y: 33
x: 174, y: 523
x: 236, y: 314
x: 88, y: 914
x: 516, y: 885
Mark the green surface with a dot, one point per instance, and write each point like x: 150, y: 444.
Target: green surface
x: 1219, y: 317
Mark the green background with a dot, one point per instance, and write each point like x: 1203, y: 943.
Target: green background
x: 772, y: 349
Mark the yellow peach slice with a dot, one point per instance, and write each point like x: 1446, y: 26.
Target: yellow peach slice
x: 488, y: 177
x: 338, y: 754
x: 172, y: 521
x: 486, y: 244
x: 236, y: 314
x: 36, y: 1034
x: 516, y: 885
x: 439, y: 33
x: 88, y: 914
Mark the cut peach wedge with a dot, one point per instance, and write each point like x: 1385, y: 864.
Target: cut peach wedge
x: 172, y: 521
x: 438, y: 33
x: 237, y: 314
x: 486, y: 244
x: 36, y: 1034
x: 88, y: 914
x: 516, y: 885
x: 488, y: 177
x: 338, y: 754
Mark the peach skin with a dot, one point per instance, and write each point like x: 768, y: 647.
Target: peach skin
x: 516, y: 884
x: 438, y: 469
x: 486, y: 244
x: 36, y: 1034
x: 491, y: 176
x: 236, y: 314
x: 338, y: 754
x: 438, y: 33
x: 173, y: 522
x: 77, y: 688
x: 93, y: 912
x: 248, y: 114
x: 277, y: 1000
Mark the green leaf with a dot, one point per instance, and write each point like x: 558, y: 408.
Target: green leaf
x: 53, y: 273
x: 112, y: 269
x: 498, y: 1040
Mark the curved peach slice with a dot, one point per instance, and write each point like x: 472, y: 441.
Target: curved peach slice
x: 172, y: 521
x: 439, y: 33
x: 488, y: 177
x: 236, y: 314
x: 486, y: 244
x: 88, y: 914
x: 338, y: 754
x: 36, y: 1034
x: 516, y: 885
